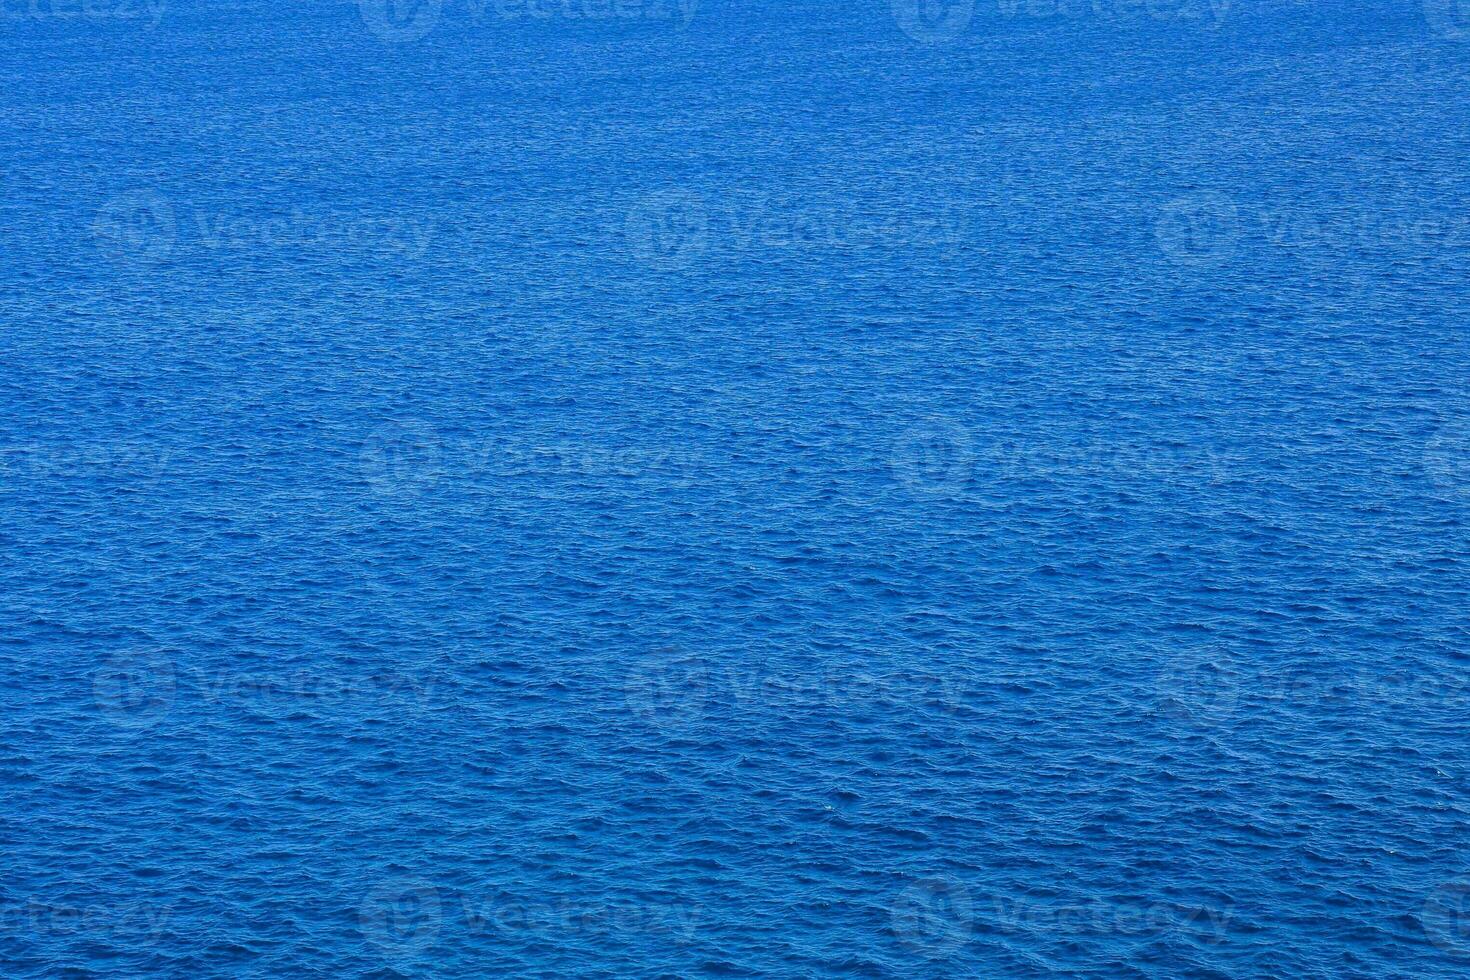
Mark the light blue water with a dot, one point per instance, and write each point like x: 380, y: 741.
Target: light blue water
x: 739, y: 489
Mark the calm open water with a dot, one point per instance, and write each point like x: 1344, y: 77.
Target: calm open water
x: 681, y: 488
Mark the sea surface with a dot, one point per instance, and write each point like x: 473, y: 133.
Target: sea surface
x: 674, y: 488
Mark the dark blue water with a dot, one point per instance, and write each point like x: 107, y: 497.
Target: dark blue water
x: 761, y: 489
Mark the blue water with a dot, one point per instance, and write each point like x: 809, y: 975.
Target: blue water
x: 742, y: 489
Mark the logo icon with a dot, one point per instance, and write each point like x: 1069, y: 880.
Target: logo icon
x: 1198, y: 230
x: 138, y: 227
x: 401, y: 917
x: 933, y: 21
x: 403, y: 459
x: 398, y: 21
x: 1446, y: 917
x: 135, y: 689
x: 933, y: 917
x: 1450, y: 19
x: 669, y: 691
x: 935, y: 457
x: 668, y: 229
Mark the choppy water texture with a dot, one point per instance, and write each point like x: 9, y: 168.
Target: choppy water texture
x: 774, y: 489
